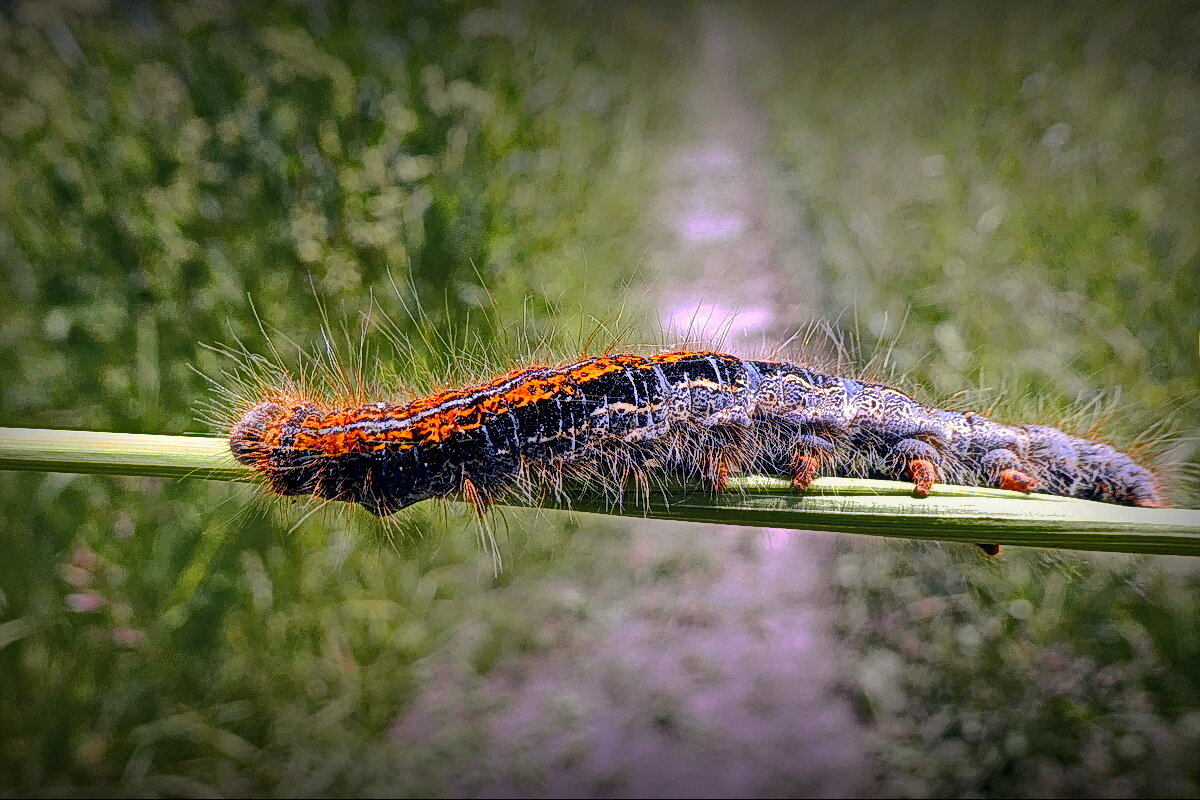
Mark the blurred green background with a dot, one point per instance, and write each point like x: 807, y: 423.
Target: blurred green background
x: 1018, y: 186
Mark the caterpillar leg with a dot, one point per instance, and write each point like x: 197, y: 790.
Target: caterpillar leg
x: 811, y: 453
x: 921, y: 464
x: 1016, y: 481
x: 724, y: 445
x: 1003, y: 464
x: 804, y: 470
x: 924, y: 474
x: 716, y: 471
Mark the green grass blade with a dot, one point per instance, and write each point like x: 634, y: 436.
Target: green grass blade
x: 879, y: 508
x: 950, y: 513
x: 38, y: 450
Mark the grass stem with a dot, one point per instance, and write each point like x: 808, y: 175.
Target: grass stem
x: 879, y: 508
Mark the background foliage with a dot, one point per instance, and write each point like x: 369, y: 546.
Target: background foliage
x: 1011, y: 193
x: 1020, y: 187
x: 180, y: 174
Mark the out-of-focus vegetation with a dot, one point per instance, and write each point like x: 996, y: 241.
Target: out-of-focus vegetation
x: 162, y: 168
x: 1020, y: 182
x: 1018, y: 185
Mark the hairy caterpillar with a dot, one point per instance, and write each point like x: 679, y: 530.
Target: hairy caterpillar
x: 697, y: 414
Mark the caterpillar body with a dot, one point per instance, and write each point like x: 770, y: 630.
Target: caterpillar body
x: 694, y: 414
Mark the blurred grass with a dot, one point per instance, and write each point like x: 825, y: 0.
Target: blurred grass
x: 1020, y: 184
x: 162, y: 167
x: 1010, y: 193
x: 1019, y: 187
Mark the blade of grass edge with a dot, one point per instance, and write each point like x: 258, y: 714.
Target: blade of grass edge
x: 879, y: 508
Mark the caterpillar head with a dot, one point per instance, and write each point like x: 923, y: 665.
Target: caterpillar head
x: 258, y: 431
x: 262, y: 439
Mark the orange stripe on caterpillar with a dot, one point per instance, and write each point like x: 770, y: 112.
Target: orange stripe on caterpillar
x: 696, y: 414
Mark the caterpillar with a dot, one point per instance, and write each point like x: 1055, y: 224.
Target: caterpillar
x: 696, y: 414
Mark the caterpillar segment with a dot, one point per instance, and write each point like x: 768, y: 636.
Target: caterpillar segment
x: 696, y: 414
